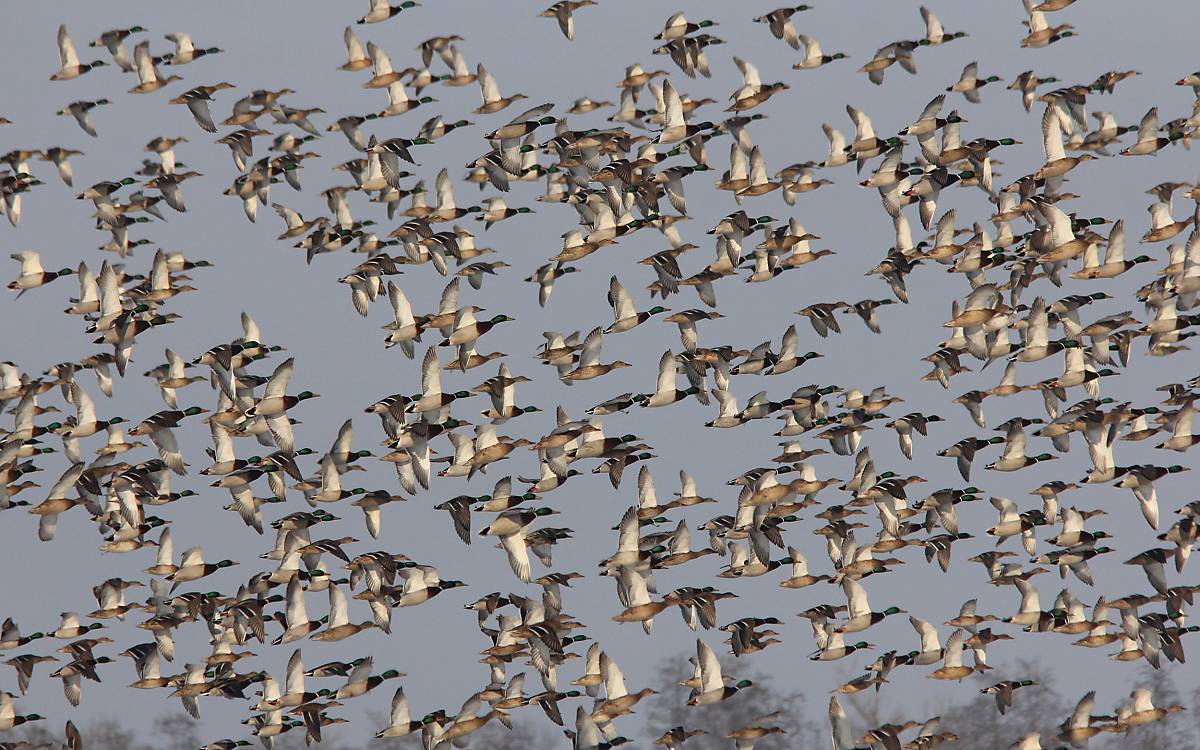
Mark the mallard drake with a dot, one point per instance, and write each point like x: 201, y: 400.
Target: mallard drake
x: 969, y: 83
x: 677, y: 26
x: 31, y: 275
x: 192, y: 567
x: 675, y: 128
x: 295, y: 617
x: 399, y: 722
x: 114, y: 41
x: 382, y: 10
x: 497, y: 210
x: 274, y: 401
x: 185, y: 49
x: 9, y: 719
x: 712, y: 688
x: 1114, y: 263
x: 69, y: 65
x: 859, y: 611
x: 814, y: 56
x: 69, y: 627
x: 10, y: 635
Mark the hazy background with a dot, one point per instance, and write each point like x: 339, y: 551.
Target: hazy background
x: 340, y: 355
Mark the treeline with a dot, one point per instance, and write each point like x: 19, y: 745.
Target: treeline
x: 976, y: 721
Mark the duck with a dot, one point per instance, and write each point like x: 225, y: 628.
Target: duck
x: 510, y: 526
x: 1181, y: 430
x: 675, y: 128
x: 69, y: 627
x: 800, y: 577
x: 1041, y: 33
x: 10, y: 635
x: 400, y: 722
x: 952, y: 667
x: 32, y: 275
x: 69, y: 65
x: 666, y: 392
x: 490, y: 93
x: 759, y: 183
x: 1014, y: 457
x: 185, y: 49
x: 148, y: 76
x: 25, y: 665
x: 1142, y: 710
x: 295, y: 617
x: 356, y: 57
x: 640, y: 606
x: 969, y: 83
x: 1057, y: 162
x: 497, y: 210
x: 836, y: 648
x: 274, y: 401
x: 59, y: 155
x: 1149, y: 142
x: 382, y: 10
x: 814, y: 56
x: 625, y: 314
x: 114, y: 41
x: 589, y: 365
x: 712, y: 688
x: 564, y: 12
x: 360, y: 680
x: 677, y: 26
x: 860, y: 616
x: 1114, y: 263
x: 9, y: 719
x: 197, y: 100
x: 192, y: 567
x: 1162, y: 226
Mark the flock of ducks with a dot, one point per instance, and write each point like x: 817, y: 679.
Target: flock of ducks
x: 1029, y: 272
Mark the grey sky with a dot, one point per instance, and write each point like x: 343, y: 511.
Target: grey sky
x: 340, y: 355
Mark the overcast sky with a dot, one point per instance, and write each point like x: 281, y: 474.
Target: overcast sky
x: 340, y: 355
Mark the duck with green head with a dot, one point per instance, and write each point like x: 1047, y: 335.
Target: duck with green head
x: 113, y: 41
x: 859, y: 610
x: 70, y: 627
x: 712, y: 688
x: 69, y: 66
x: 10, y: 636
x: 381, y: 10
x: 31, y: 274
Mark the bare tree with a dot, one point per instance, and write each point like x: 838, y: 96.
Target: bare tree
x: 1038, y: 708
x: 1172, y: 732
x: 669, y: 709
